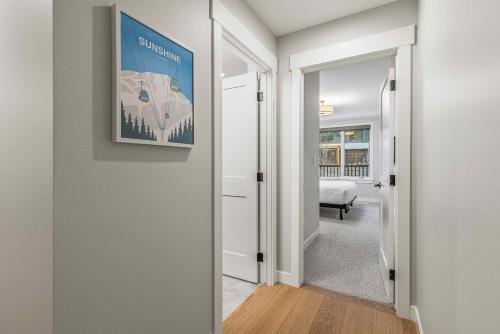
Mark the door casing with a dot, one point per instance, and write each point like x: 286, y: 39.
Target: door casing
x: 225, y: 26
x: 397, y: 43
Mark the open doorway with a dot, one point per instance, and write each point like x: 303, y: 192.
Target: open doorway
x: 348, y: 128
x: 398, y: 44
x: 229, y: 33
x: 243, y: 126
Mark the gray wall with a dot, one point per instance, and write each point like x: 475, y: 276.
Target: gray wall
x: 132, y: 242
x: 252, y: 21
x: 311, y: 153
x: 457, y: 230
x: 26, y: 167
x: 391, y: 16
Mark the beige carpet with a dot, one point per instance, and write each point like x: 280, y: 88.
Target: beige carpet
x: 344, y: 256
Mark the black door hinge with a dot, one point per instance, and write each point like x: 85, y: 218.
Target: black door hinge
x: 260, y: 96
x: 260, y: 177
x: 392, y: 180
x: 260, y: 257
x: 393, y: 85
x: 392, y: 274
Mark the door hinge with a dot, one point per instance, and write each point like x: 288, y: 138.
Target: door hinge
x: 260, y: 177
x: 260, y: 96
x: 392, y: 274
x: 393, y: 85
x: 260, y: 257
x: 392, y: 180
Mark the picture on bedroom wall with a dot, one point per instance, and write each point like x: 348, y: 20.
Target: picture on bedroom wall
x: 153, y: 86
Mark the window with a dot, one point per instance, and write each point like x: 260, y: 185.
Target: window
x: 345, y: 152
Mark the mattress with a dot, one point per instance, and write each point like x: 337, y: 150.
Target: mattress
x: 337, y: 192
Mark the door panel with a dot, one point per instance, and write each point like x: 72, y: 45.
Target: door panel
x: 386, y: 194
x: 239, y: 171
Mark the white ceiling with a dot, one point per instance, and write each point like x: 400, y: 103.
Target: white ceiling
x: 286, y: 16
x: 353, y: 89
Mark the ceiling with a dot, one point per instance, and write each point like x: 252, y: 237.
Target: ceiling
x: 286, y: 16
x: 353, y: 89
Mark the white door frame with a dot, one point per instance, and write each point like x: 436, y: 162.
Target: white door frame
x: 394, y: 42
x: 226, y: 26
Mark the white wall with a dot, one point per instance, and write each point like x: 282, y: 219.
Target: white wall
x: 311, y: 153
x: 26, y: 167
x: 388, y: 17
x: 252, y: 21
x: 133, y: 226
x: 456, y: 237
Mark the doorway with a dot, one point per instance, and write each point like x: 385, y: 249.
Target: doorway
x: 244, y: 160
x: 241, y: 240
x: 347, y: 111
x: 227, y: 28
x: 397, y: 43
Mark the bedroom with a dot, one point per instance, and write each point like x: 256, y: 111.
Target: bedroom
x: 348, y: 144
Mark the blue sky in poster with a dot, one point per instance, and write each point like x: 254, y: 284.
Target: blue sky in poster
x: 145, y: 50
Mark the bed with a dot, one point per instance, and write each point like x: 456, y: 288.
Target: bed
x: 337, y: 194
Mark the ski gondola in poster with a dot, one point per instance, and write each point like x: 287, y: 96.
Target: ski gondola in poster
x: 153, y: 86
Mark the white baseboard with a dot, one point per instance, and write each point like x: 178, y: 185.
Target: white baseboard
x: 415, y: 316
x: 285, y: 277
x: 366, y: 200
x: 311, y: 238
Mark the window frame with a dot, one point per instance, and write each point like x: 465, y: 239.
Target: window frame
x: 360, y: 179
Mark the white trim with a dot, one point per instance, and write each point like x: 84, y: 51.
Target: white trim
x: 366, y: 200
x: 402, y: 170
x: 217, y: 178
x: 375, y: 43
x: 297, y: 179
x: 415, y: 316
x: 239, y: 31
x: 285, y: 277
x: 311, y: 238
x: 226, y: 26
x: 395, y: 42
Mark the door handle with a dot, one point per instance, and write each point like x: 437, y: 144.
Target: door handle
x: 378, y: 185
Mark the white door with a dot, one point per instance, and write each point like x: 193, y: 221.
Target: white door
x: 239, y: 172
x: 386, y: 193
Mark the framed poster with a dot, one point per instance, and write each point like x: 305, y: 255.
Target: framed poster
x: 153, y: 100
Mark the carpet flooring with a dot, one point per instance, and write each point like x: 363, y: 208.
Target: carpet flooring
x: 344, y: 256
x: 234, y: 293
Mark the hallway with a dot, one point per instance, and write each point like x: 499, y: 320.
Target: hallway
x: 287, y: 310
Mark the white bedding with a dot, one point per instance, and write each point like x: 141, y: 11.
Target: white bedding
x: 337, y: 192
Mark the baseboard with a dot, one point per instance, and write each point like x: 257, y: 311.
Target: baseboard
x: 285, y: 277
x: 366, y: 200
x: 415, y: 316
x: 311, y: 238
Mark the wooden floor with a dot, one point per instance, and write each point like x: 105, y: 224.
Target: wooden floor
x: 286, y: 310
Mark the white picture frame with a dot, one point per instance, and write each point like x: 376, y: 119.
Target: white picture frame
x: 153, y: 85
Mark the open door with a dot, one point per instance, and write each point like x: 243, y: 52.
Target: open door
x: 239, y: 171
x: 386, y: 193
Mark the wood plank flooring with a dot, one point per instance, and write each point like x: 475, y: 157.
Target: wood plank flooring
x: 283, y: 309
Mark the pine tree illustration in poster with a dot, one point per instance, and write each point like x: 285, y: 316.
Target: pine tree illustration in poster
x: 153, y: 86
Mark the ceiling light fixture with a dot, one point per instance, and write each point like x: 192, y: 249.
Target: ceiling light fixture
x: 325, y: 109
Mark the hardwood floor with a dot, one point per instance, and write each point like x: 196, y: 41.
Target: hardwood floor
x: 283, y: 309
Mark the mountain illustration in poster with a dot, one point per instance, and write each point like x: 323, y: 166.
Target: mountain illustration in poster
x: 156, y: 86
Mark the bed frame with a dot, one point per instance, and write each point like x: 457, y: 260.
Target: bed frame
x: 341, y: 207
